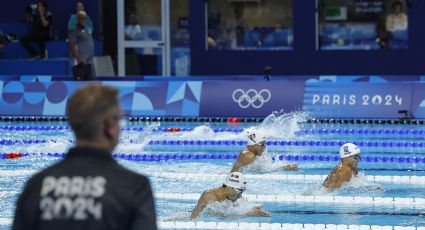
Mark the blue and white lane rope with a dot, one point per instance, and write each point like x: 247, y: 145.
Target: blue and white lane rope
x: 156, y: 129
x: 203, y: 177
x: 298, y: 199
x: 361, y: 200
x: 216, y: 156
x: 412, y: 132
x: 270, y: 143
x: 260, y: 226
x: 275, y: 226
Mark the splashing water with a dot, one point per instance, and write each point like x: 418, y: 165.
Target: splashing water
x: 280, y: 126
x: 229, y: 209
x: 358, y: 184
x: 265, y: 164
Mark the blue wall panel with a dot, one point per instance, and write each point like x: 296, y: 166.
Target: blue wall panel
x: 320, y: 96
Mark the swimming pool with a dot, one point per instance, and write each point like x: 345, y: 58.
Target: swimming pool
x: 182, y: 159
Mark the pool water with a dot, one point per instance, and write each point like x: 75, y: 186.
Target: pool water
x: 184, y: 159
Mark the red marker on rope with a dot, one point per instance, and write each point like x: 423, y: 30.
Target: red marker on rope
x: 13, y: 155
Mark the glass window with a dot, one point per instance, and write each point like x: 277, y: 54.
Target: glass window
x: 143, y: 20
x: 362, y: 24
x: 143, y: 61
x: 249, y: 25
x: 180, y: 38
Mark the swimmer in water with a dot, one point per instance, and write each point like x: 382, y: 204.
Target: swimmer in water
x: 255, y: 148
x: 231, y: 190
x: 350, y: 156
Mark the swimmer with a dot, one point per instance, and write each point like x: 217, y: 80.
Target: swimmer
x: 231, y: 190
x: 350, y: 156
x: 256, y: 146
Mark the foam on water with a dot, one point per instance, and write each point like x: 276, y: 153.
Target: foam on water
x: 356, y: 185
x: 229, y: 209
x: 265, y: 164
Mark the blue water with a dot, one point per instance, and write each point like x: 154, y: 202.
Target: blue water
x: 15, y: 172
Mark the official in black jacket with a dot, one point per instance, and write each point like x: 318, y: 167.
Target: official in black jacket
x: 88, y: 189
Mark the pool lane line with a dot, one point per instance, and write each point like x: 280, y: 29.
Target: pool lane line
x: 270, y: 143
x: 355, y: 131
x: 275, y: 226
x: 286, y: 177
x: 414, y: 180
x: 216, y: 156
x: 285, y: 199
x: 357, y: 213
x: 299, y: 199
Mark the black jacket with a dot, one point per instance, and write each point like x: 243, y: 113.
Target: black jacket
x: 86, y: 190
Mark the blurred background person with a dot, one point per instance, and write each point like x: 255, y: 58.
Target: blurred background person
x: 397, y: 19
x: 133, y: 30
x: 382, y: 36
x: 81, y: 47
x: 41, y: 29
x: 72, y: 22
x: 235, y: 27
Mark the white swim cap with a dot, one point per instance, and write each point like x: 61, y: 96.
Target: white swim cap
x: 348, y: 150
x: 254, y: 138
x: 236, y: 180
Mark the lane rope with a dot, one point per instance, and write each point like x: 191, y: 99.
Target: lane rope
x: 270, y: 143
x: 275, y: 226
x: 219, y: 156
x: 188, y: 156
x: 376, y: 201
x: 418, y: 180
x: 367, y: 200
x: 413, y: 132
x: 202, y: 177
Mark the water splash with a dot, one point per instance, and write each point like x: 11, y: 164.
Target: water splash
x: 355, y: 186
x: 282, y: 125
x: 229, y: 209
x: 265, y: 164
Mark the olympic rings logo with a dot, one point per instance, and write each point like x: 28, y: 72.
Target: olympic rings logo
x: 251, y: 98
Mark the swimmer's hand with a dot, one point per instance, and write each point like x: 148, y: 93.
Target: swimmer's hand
x: 291, y: 167
x: 375, y: 188
x: 258, y: 211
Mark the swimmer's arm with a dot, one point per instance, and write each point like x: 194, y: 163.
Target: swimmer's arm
x: 291, y: 167
x: 258, y: 211
x: 202, y: 203
x: 245, y: 158
x: 374, y: 188
x: 332, y: 182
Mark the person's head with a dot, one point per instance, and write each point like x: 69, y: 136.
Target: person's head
x: 237, y: 184
x: 94, y: 115
x: 350, y: 153
x: 42, y: 5
x: 238, y: 11
x: 278, y: 26
x: 80, y: 6
x: 397, y: 7
x: 81, y: 17
x: 256, y: 143
x: 132, y: 19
